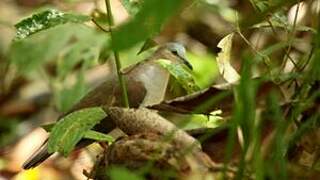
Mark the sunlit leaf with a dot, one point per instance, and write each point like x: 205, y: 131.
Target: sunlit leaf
x: 183, y: 76
x: 223, y: 60
x: 45, y: 20
x: 147, y: 23
x: 72, y: 128
x: 205, y: 68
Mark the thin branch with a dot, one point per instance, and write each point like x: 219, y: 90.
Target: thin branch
x: 286, y: 53
x: 272, y: 27
x: 266, y: 59
x: 308, y: 60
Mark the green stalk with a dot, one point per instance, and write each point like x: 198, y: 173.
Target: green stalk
x: 125, y: 99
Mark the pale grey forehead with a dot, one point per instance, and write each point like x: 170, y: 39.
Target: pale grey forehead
x: 179, y: 48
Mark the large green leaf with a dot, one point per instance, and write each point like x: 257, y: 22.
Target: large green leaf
x: 28, y: 54
x: 147, y: 23
x: 180, y: 73
x: 72, y: 42
x: 72, y: 128
x: 45, y: 20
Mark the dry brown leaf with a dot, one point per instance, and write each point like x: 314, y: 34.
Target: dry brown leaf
x: 223, y: 60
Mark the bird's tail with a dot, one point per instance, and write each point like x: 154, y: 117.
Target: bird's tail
x: 37, y: 157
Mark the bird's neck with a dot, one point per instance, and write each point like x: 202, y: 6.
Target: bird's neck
x: 155, y: 79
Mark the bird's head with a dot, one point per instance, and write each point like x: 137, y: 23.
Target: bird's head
x: 175, y: 51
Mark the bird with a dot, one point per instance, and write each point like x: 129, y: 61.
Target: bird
x: 146, y: 83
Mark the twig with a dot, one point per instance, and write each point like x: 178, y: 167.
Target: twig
x: 272, y: 27
x: 275, y: 34
x: 266, y: 59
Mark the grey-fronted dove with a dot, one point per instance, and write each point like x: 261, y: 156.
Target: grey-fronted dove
x: 146, y: 84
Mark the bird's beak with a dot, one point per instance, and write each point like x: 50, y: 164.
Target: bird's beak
x: 186, y: 62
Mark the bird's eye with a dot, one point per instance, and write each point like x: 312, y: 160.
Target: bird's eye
x: 175, y: 52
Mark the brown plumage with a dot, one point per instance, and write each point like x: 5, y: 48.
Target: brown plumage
x: 146, y: 84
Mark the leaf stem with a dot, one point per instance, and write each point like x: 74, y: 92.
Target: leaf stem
x: 125, y: 100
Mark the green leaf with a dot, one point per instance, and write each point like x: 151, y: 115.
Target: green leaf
x: 120, y: 173
x: 45, y: 20
x: 29, y: 53
x: 223, y: 60
x: 48, y: 127
x: 261, y: 5
x: 132, y: 6
x: 90, y: 134
x: 84, y: 52
x: 271, y: 49
x: 87, y: 48
x: 147, y: 23
x: 68, y: 96
x: 8, y: 131
x: 71, y: 42
x: 205, y: 68
x: 180, y: 73
x: 72, y: 128
x: 98, y: 136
